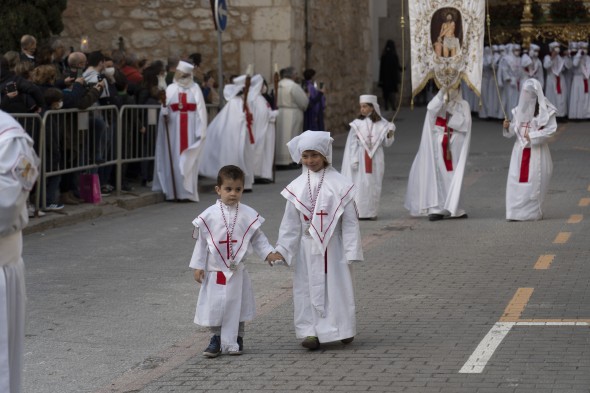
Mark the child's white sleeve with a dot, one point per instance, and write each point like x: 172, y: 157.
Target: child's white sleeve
x: 261, y: 245
x: 289, y: 234
x: 351, y: 234
x: 199, y: 258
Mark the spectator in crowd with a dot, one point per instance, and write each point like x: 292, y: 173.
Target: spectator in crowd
x: 389, y: 75
x: 199, y: 76
x: 18, y: 95
x: 131, y: 69
x: 54, y: 133
x: 13, y: 59
x: 314, y: 115
x: 28, y: 47
x: 171, y: 69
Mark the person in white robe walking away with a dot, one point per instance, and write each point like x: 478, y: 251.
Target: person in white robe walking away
x: 530, y: 169
x: 225, y: 234
x: 18, y: 172
x: 436, y: 176
x: 363, y: 161
x: 320, y: 236
x: 181, y: 134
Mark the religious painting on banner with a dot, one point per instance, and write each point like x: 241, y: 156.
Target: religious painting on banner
x: 447, y: 43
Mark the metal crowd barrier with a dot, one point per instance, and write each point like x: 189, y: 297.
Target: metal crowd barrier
x: 96, y: 140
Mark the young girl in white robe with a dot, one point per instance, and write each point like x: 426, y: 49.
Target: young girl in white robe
x: 530, y: 165
x: 363, y: 161
x: 319, y: 235
x: 225, y: 232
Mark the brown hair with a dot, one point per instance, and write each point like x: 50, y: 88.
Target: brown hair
x: 230, y: 172
x: 44, y: 74
x: 374, y: 116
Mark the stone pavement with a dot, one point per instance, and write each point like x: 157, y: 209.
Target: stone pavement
x: 428, y: 294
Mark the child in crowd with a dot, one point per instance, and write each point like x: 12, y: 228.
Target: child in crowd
x: 363, y: 161
x: 224, y: 233
x: 533, y: 123
x: 320, y: 236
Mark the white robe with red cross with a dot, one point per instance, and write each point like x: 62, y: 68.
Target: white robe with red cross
x: 230, y: 138
x: 323, y: 291
x: 264, y: 129
x: 435, y: 181
x: 530, y: 168
x: 187, y: 124
x: 364, y: 163
x: 556, y: 89
x: 226, y: 297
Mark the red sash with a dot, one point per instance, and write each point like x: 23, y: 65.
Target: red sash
x: 249, y: 119
x: 368, y: 163
x: 221, y: 278
x: 184, y: 108
x: 558, y: 84
x: 524, y: 165
x: 585, y: 86
x: 441, y: 122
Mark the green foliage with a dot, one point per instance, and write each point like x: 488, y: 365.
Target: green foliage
x: 569, y: 11
x: 39, y: 18
x: 506, y: 15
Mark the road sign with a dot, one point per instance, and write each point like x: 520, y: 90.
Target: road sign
x: 221, y: 14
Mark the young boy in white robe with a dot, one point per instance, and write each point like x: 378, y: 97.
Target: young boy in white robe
x: 530, y: 165
x: 224, y: 233
x: 436, y: 176
x: 363, y: 161
x: 319, y: 235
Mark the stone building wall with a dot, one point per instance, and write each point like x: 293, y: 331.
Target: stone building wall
x: 259, y: 32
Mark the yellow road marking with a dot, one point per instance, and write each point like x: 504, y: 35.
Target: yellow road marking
x: 562, y: 237
x: 584, y: 202
x: 516, y: 306
x: 575, y: 219
x: 544, y: 261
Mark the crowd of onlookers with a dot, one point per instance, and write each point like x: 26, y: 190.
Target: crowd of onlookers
x: 49, y: 76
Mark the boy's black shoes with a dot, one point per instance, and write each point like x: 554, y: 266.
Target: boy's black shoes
x: 347, y: 340
x: 240, y: 347
x: 214, y: 348
x: 435, y: 217
x: 311, y: 342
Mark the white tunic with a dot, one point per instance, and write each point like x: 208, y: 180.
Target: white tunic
x: 555, y: 86
x: 292, y: 102
x: 323, y: 291
x: 226, y: 297
x: 579, y: 103
x: 528, y: 179
x: 187, y: 124
x: 434, y: 185
x: 230, y: 139
x: 364, y: 164
x: 264, y: 131
x: 18, y: 172
x: 533, y: 68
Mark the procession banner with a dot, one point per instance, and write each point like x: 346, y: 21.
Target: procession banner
x: 446, y: 42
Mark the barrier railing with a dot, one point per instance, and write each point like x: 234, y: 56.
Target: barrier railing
x: 99, y: 140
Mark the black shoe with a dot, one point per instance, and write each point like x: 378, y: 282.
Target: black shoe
x: 311, y: 342
x: 214, y: 348
x: 240, y: 347
x: 347, y: 340
x: 435, y: 217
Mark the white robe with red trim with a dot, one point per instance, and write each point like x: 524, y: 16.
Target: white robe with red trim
x: 323, y: 291
x: 187, y: 125
x: 432, y: 187
x: 364, y: 163
x: 528, y: 179
x: 556, y: 89
x: 579, y: 102
x: 226, y: 297
x: 265, y: 133
x: 230, y: 141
